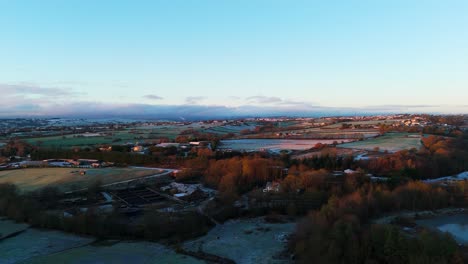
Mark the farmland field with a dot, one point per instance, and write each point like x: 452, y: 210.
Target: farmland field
x: 8, y: 227
x: 67, y: 179
x: 133, y: 135
x: 172, y: 131
x: 245, y: 241
x: 123, y: 252
x: 456, y: 225
x: 390, y: 142
x: 369, y: 122
x: 319, y: 133
x: 47, y: 246
x: 78, y: 140
x: 263, y: 241
x: 33, y: 243
x: 272, y: 144
x: 226, y: 129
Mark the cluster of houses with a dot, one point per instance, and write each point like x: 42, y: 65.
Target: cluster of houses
x: 181, y: 147
x: 275, y: 186
x: 76, y: 163
x: 145, y: 148
x: 15, y: 162
x: 416, y: 121
x: 188, y: 192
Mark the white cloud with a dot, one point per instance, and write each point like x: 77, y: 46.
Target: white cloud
x: 153, y: 97
x: 194, y: 99
x: 27, y: 90
x: 264, y: 99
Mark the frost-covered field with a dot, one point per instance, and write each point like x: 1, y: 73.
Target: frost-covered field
x: 391, y: 142
x: 456, y: 225
x: 123, y: 252
x: 459, y: 177
x: 272, y: 144
x: 366, y: 123
x: 231, y: 128
x: 8, y: 227
x: 67, y: 179
x: 33, y: 243
x: 47, y: 246
x: 245, y: 241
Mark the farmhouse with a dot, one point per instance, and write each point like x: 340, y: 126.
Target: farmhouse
x: 168, y: 145
x: 87, y: 162
x: 349, y: 171
x: 31, y: 163
x: 61, y: 162
x: 105, y: 149
x: 189, y: 192
x: 200, y: 144
x: 272, y: 187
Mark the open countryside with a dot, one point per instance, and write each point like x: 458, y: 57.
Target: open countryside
x: 391, y: 142
x: 70, y: 179
x: 274, y: 144
x: 233, y: 132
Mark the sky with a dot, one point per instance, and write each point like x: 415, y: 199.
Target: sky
x: 241, y: 57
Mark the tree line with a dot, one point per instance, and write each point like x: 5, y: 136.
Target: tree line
x: 341, y: 231
x: 35, y: 209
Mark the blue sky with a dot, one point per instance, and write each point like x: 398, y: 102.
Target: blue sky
x: 293, y: 56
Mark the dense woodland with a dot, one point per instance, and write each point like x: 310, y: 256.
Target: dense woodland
x: 341, y: 231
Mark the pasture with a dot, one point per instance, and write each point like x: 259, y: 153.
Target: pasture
x: 33, y: 243
x: 235, y: 129
x: 305, y: 131
x: 171, y: 131
x: 68, y: 179
x: 273, y: 144
x: 123, y: 252
x: 245, y: 241
x: 78, y: 140
x: 118, y: 137
x: 366, y: 123
x: 9, y: 227
x: 46, y: 246
x: 391, y: 142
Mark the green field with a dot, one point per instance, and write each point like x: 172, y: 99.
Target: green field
x: 227, y: 128
x: 69, y: 141
x: 171, y: 131
x: 33, y: 243
x: 366, y: 123
x: 390, y: 142
x: 63, y: 178
x: 133, y: 135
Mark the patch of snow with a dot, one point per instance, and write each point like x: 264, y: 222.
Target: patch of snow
x: 362, y: 156
x: 107, y: 196
x: 245, y: 241
x: 186, y: 189
x: 376, y: 178
x: 460, y: 177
